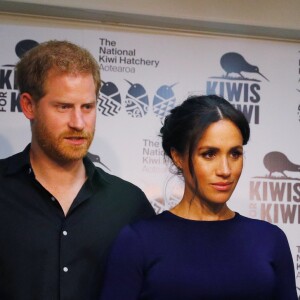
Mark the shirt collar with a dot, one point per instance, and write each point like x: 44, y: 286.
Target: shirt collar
x: 18, y: 162
x: 21, y: 161
x: 95, y: 174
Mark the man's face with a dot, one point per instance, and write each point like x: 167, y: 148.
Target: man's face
x: 64, y: 119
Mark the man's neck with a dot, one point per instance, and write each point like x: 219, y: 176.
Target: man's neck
x: 62, y: 180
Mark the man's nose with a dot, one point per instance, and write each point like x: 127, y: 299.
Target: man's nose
x: 77, y: 120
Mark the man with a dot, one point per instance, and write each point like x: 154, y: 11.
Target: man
x: 58, y: 212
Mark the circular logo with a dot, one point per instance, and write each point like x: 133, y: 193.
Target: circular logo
x: 173, y: 191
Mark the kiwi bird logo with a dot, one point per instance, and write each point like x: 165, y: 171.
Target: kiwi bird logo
x: 164, y: 100
x: 278, y: 162
x: 233, y: 62
x: 109, y: 103
x: 22, y: 47
x: 96, y: 159
x: 137, y: 102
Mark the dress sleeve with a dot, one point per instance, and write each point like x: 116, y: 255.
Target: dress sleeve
x: 284, y: 270
x: 124, y: 272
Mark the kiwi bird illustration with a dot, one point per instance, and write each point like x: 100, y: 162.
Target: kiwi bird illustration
x: 233, y: 62
x: 109, y: 103
x: 137, y: 102
x: 164, y: 100
x: 96, y: 159
x: 22, y: 47
x: 25, y: 45
x: 278, y: 162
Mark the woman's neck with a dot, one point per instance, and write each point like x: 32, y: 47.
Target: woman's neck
x: 196, y: 210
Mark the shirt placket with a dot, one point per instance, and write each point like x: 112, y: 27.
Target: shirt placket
x: 65, y: 265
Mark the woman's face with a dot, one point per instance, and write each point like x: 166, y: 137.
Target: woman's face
x: 217, y: 161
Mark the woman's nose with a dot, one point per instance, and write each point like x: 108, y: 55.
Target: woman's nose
x: 224, y: 168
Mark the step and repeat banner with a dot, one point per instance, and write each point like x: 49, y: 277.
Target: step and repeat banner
x: 144, y: 75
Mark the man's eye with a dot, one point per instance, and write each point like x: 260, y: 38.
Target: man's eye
x: 89, y: 106
x: 62, y: 106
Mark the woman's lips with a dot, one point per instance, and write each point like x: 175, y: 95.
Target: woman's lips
x: 222, y: 186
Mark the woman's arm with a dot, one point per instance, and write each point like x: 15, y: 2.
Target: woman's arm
x: 124, y: 273
x: 284, y: 270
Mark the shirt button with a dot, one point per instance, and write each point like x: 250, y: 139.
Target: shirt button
x: 65, y: 232
x: 65, y: 269
x: 52, y: 198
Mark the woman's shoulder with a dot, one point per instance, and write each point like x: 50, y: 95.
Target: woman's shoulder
x: 255, y: 221
x: 145, y: 230
x: 156, y: 221
x: 157, y: 225
x: 260, y: 227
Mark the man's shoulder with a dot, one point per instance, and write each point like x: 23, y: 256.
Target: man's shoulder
x: 3, y: 165
x: 126, y: 195
x: 15, y: 162
x: 7, y: 161
x: 117, y: 182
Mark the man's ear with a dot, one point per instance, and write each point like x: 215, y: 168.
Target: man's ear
x: 28, y: 105
x: 177, y: 159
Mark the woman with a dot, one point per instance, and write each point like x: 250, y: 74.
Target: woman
x: 201, y: 249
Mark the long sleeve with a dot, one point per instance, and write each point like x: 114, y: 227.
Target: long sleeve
x: 284, y: 270
x: 124, y: 274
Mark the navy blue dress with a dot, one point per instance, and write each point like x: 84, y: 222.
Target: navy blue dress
x: 168, y: 257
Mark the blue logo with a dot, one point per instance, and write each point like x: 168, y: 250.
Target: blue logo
x: 22, y: 47
x: 137, y: 102
x: 109, y: 103
x: 164, y: 100
x: 243, y: 92
x: 233, y: 62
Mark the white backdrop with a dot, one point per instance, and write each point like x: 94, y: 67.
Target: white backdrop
x: 145, y: 74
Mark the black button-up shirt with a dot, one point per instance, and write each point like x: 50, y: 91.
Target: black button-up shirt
x: 45, y: 255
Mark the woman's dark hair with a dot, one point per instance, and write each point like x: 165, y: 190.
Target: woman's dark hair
x: 186, y: 123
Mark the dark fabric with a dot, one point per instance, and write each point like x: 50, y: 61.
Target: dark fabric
x: 38, y: 243
x: 168, y: 257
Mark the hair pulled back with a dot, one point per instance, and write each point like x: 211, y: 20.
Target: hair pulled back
x: 185, y: 125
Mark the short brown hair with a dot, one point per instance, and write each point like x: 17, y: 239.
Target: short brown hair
x: 61, y: 56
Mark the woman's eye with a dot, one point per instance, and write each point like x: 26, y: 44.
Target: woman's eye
x: 236, y: 153
x: 209, y: 154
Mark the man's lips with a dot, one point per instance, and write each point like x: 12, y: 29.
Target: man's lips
x: 222, y: 186
x: 76, y: 140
